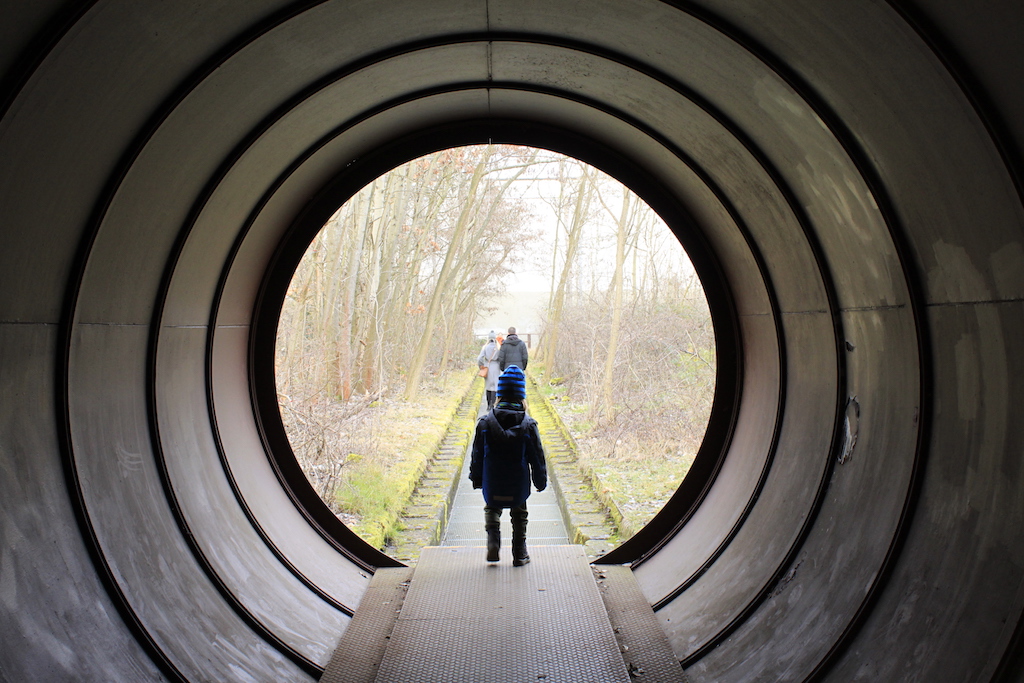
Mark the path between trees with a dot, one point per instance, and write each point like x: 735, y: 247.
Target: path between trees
x: 587, y: 513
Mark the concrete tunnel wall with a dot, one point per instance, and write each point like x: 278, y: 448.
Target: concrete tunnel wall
x: 846, y: 173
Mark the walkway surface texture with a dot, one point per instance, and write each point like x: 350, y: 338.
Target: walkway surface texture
x: 456, y: 617
x: 465, y: 620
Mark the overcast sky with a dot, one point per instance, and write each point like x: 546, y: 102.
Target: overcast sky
x: 529, y: 287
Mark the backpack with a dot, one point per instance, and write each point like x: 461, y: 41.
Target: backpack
x: 506, y: 471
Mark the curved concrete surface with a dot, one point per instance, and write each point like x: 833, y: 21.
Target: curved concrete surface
x: 845, y: 174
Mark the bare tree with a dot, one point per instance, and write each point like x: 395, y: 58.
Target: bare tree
x: 462, y: 225
x: 582, y: 195
x: 624, y: 230
x: 406, y: 259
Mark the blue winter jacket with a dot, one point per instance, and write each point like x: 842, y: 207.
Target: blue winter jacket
x: 506, y: 452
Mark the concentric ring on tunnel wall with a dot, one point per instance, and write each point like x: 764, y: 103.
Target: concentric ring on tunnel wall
x: 386, y: 157
x: 765, y: 313
x: 385, y: 135
x: 696, y: 486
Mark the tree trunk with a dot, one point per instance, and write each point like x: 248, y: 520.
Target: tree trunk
x: 608, y: 380
x: 412, y: 381
x: 575, y: 232
x: 396, y: 200
x: 361, y: 217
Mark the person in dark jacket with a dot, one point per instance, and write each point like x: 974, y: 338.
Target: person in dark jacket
x: 507, y: 453
x: 513, y: 351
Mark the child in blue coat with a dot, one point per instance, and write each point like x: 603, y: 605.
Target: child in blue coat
x: 507, y: 453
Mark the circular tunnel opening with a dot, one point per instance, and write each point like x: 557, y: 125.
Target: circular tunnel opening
x: 349, y: 497
x: 442, y: 255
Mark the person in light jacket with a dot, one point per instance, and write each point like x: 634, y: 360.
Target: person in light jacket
x: 488, y: 358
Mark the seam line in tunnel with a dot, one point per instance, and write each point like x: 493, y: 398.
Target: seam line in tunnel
x: 980, y: 302
x: 884, y: 307
x: 96, y: 323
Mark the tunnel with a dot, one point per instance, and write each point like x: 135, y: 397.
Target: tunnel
x: 845, y: 175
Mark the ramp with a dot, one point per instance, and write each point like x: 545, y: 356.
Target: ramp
x: 466, y: 620
x: 461, y: 619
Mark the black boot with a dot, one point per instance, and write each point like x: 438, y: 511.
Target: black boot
x: 492, y: 525
x: 493, y: 544
x: 519, y: 554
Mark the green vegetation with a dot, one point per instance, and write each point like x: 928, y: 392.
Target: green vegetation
x: 388, y: 444
x: 425, y: 516
x: 365, y: 492
x: 637, y: 460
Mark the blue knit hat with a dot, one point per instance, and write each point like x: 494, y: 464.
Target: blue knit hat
x: 512, y: 384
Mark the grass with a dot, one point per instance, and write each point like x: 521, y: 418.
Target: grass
x: 365, y: 492
x: 639, y: 462
x: 376, y: 485
x: 640, y: 488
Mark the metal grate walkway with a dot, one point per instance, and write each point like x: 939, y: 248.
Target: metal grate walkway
x: 465, y: 620
x: 462, y: 619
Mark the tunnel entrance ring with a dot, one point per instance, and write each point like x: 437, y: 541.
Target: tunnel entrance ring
x: 312, y: 219
x: 766, y: 245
